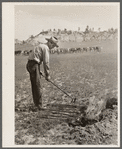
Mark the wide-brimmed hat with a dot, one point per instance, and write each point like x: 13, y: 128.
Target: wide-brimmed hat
x: 54, y: 40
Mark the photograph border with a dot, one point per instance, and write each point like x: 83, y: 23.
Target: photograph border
x: 6, y: 77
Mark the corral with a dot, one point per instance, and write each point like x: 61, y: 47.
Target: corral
x: 82, y: 75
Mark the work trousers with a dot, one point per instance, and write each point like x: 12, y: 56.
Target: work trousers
x: 34, y: 70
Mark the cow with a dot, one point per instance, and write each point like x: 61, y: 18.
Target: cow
x: 79, y: 50
x: 18, y: 52
x: 52, y: 51
x: 58, y: 50
x: 85, y: 49
x: 88, y: 49
x: 65, y: 50
x: 72, y: 50
x: 91, y: 49
x: 61, y: 50
x: 26, y: 52
x: 98, y: 49
x: 68, y: 50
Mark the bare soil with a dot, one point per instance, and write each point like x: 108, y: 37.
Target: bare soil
x: 81, y: 75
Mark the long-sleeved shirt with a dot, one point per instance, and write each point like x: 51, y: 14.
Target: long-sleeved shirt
x: 41, y: 54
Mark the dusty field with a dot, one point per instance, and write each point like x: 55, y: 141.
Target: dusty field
x: 81, y: 75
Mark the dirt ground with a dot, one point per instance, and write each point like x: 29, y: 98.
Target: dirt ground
x: 81, y: 75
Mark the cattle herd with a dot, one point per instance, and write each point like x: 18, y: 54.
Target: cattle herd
x: 26, y: 52
x: 65, y: 50
x: 75, y: 50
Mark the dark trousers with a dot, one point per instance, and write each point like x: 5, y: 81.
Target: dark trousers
x: 34, y: 70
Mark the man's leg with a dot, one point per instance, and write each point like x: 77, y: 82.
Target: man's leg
x: 33, y: 87
x: 32, y: 69
x: 38, y: 87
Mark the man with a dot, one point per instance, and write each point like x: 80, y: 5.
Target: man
x: 38, y: 55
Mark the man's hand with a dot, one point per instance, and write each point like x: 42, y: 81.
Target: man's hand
x: 47, y: 78
x: 41, y: 73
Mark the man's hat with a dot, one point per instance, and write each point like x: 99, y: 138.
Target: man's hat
x: 54, y: 40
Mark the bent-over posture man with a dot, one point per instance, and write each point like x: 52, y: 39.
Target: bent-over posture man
x: 38, y: 55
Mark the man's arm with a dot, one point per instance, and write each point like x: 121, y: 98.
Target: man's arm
x: 46, y: 63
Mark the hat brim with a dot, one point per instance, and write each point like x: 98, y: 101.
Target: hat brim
x: 47, y: 39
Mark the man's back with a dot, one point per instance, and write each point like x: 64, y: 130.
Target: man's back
x: 40, y: 54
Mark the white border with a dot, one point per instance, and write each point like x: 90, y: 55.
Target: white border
x: 118, y: 56
x: 68, y: 3
x: 7, y: 75
x: 8, y: 81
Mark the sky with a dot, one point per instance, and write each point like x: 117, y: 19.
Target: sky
x: 31, y: 19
